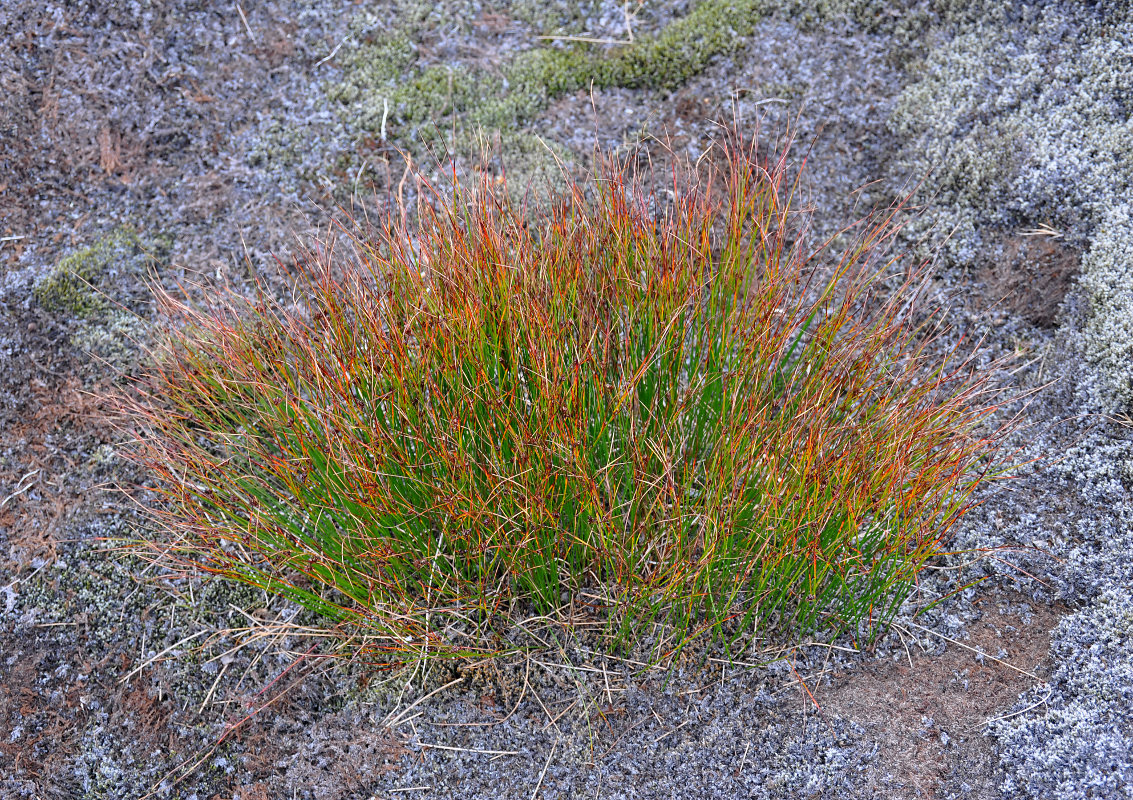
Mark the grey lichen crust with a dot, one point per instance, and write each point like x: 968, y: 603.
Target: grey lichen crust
x: 1022, y: 118
x: 1107, y: 281
x: 1073, y: 736
x: 1025, y: 115
x: 1077, y: 740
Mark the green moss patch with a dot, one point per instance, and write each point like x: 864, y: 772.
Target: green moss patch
x: 101, y: 290
x: 78, y: 283
x: 523, y: 86
x: 71, y: 285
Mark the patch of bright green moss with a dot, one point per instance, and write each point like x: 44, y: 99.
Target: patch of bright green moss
x: 70, y: 286
x: 684, y: 48
x: 526, y: 84
x: 102, y: 291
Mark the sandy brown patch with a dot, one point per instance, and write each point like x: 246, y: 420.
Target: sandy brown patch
x: 1031, y: 278
x: 927, y: 712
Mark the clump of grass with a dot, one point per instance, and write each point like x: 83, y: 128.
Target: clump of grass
x: 499, y: 409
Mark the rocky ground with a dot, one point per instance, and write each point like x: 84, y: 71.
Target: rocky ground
x: 191, y: 142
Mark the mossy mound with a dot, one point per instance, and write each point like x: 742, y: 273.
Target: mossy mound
x: 382, y: 84
x: 1021, y: 117
x: 100, y: 292
x: 78, y: 284
x: 71, y: 287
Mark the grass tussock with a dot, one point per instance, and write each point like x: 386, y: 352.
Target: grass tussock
x: 493, y: 411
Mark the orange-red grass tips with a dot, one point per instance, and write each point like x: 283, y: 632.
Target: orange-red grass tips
x: 660, y: 400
